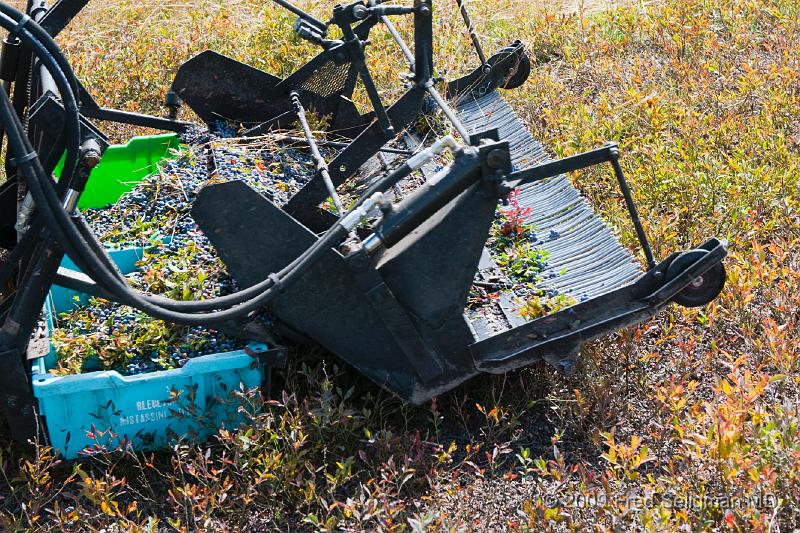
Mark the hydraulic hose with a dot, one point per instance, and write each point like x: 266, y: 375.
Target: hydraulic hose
x: 47, y: 51
x: 76, y: 239
x: 58, y: 220
x: 25, y: 29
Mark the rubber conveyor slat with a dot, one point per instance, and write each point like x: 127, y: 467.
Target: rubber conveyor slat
x: 585, y: 259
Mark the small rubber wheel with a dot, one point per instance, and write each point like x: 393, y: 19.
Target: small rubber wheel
x: 520, y: 73
x: 519, y: 66
x: 702, y: 289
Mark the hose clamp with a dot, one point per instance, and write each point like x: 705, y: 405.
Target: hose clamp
x: 23, y: 21
x: 277, y: 283
x: 17, y: 161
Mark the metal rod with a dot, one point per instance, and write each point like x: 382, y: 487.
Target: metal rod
x: 355, y: 47
x: 445, y: 107
x: 396, y: 36
x: 399, y: 40
x: 626, y: 193
x: 557, y: 167
x: 609, y: 153
x: 423, y: 41
x: 322, y: 166
x: 448, y: 111
x: 135, y: 119
x: 46, y: 81
x: 339, y: 144
x: 372, y: 92
x: 302, y: 14
x: 472, y: 35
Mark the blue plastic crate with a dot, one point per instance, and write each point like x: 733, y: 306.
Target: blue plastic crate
x: 146, y: 411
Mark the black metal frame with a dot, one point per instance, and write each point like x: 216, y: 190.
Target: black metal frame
x: 263, y: 102
x: 605, y: 154
x: 29, y: 84
x: 395, y: 310
x: 34, y: 260
x: 392, y: 306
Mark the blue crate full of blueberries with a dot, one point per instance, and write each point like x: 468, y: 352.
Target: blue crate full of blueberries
x: 116, y: 378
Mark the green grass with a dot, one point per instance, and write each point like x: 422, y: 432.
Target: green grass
x: 690, y: 407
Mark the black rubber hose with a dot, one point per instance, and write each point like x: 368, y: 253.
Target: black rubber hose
x: 49, y: 59
x: 130, y: 297
x: 45, y: 196
x: 83, y: 251
x: 79, y: 254
x: 48, y: 52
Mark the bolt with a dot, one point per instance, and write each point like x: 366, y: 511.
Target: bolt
x: 497, y: 159
x: 424, y: 10
x: 90, y: 153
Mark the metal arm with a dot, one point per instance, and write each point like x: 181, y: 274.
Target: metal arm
x: 472, y: 35
x: 303, y: 15
x: 606, y: 154
x: 322, y: 166
x: 560, y: 166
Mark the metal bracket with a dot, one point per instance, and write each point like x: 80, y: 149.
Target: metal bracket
x: 59, y: 16
x: 272, y: 354
x: 17, y: 396
x: 605, y: 154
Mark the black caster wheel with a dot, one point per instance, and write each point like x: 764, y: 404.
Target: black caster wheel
x: 519, y: 66
x: 520, y: 73
x: 702, y: 289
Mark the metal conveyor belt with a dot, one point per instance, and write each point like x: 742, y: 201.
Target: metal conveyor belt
x: 585, y: 258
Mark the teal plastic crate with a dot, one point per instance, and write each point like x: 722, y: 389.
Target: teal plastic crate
x: 150, y: 411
